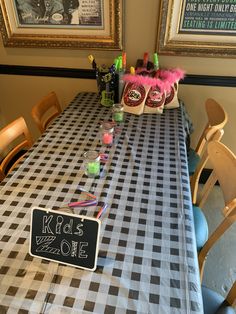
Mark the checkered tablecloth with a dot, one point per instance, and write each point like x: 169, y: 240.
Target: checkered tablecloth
x: 147, y: 260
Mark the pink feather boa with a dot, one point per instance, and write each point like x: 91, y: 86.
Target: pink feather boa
x: 164, y: 78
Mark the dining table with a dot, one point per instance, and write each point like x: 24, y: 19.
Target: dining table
x: 147, y: 257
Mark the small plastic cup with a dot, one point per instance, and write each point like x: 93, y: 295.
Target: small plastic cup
x: 118, y: 113
x: 107, y: 133
x: 92, y: 164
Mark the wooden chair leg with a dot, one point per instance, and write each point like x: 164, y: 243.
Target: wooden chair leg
x: 202, y: 255
x: 231, y: 296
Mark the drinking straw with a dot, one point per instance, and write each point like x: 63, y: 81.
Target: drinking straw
x: 83, y: 203
x: 92, y: 61
x: 145, y: 59
x: 120, y: 63
x: 155, y: 61
x: 103, y: 157
x: 116, y: 62
x: 87, y: 193
x: 124, y: 61
x: 132, y: 70
x: 101, y: 211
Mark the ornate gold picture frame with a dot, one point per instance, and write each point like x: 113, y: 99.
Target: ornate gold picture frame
x: 197, y: 28
x: 74, y: 24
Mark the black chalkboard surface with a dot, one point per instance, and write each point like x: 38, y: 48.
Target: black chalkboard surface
x: 65, y: 238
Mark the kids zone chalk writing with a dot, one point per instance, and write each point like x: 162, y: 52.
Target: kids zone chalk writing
x: 65, y: 238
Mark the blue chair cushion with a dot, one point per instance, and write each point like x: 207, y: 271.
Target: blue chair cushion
x: 193, y: 160
x: 225, y: 309
x: 201, y: 227
x: 213, y: 303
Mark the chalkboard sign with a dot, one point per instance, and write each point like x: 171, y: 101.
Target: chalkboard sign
x: 65, y: 238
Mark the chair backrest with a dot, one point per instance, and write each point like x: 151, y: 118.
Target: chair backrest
x: 217, y: 118
x: 13, y: 138
x: 194, y: 180
x: 45, y: 111
x: 224, y: 165
x: 224, y: 170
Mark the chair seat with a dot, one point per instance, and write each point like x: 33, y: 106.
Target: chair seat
x: 193, y: 160
x: 213, y: 303
x: 201, y: 227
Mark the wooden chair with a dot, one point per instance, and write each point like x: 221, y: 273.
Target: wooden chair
x: 224, y: 170
x: 217, y: 118
x: 214, y: 303
x: 15, y: 140
x: 45, y: 111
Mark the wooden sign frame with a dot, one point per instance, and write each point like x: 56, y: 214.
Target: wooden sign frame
x: 65, y: 238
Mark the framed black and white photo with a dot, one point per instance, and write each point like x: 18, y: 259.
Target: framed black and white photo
x: 79, y: 24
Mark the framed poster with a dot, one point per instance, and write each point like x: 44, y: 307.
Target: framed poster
x: 78, y: 24
x: 197, y: 27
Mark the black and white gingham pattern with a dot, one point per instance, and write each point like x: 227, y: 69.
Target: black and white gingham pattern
x: 147, y: 258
